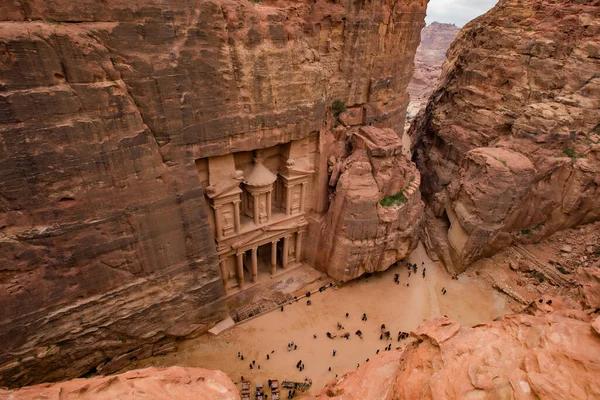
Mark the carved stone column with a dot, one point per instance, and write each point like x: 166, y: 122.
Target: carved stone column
x: 218, y: 222
x: 302, y: 194
x: 255, y: 198
x: 254, y: 265
x: 236, y: 216
x: 223, y: 265
x: 288, y: 200
x: 273, y: 257
x: 286, y: 252
x: 240, y: 270
x: 268, y: 206
x: 298, y: 246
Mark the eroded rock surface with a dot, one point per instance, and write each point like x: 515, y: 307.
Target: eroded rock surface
x: 375, y: 208
x: 551, y: 355
x: 106, y: 248
x: 509, y: 144
x: 175, y: 383
x: 436, y: 38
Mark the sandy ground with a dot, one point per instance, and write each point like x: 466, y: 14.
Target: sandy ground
x: 398, y: 306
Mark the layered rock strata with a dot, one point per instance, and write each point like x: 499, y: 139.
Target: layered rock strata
x: 375, y: 208
x: 175, y: 383
x: 106, y: 246
x: 436, y: 38
x: 509, y: 144
x: 551, y: 355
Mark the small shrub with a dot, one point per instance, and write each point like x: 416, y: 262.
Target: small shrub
x: 563, y: 270
x: 255, y: 1
x: 529, y: 28
x: 500, y: 160
x: 570, y: 152
x: 526, y: 232
x: 395, y: 199
x: 338, y: 106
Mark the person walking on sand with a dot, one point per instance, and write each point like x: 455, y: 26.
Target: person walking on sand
x: 364, y: 317
x: 424, y: 269
x: 334, y: 352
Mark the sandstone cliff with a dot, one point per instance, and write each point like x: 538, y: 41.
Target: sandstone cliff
x: 151, y: 383
x: 509, y: 144
x: 375, y: 208
x: 547, y: 356
x: 436, y: 38
x: 106, y: 249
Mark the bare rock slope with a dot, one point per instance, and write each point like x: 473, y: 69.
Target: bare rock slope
x: 509, y: 144
x: 106, y: 250
x: 549, y: 355
x: 175, y: 383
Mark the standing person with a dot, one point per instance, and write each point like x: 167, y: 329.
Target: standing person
x: 334, y: 352
x: 424, y: 269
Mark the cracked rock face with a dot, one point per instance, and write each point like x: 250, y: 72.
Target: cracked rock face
x: 508, y: 145
x: 375, y: 208
x: 175, y: 383
x: 106, y: 251
x: 548, y: 356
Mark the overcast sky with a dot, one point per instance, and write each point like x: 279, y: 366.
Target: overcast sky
x: 458, y: 12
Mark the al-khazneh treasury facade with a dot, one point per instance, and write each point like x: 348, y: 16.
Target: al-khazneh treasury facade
x: 258, y: 201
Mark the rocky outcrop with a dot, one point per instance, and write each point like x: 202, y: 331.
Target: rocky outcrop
x: 106, y: 250
x: 175, y: 383
x: 375, y: 208
x: 549, y: 355
x: 436, y: 38
x: 509, y: 144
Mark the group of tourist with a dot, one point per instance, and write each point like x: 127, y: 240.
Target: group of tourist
x: 385, y: 334
x: 292, y: 346
x: 412, y: 268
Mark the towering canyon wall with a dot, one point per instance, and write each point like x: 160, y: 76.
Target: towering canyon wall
x: 436, y: 38
x: 106, y: 249
x: 509, y: 144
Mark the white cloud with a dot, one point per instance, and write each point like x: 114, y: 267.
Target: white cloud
x: 458, y: 12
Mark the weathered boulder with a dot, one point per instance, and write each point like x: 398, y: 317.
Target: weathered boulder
x: 551, y: 355
x: 175, y: 383
x: 375, y: 208
x: 522, y: 80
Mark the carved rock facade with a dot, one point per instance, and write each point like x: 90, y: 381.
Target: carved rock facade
x: 116, y: 232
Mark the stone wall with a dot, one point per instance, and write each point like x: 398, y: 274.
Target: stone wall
x: 106, y: 253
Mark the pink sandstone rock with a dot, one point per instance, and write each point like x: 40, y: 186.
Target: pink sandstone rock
x: 506, y: 144
x: 174, y: 383
x: 549, y: 356
x: 106, y: 249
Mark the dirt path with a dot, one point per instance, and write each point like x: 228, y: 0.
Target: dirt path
x: 401, y: 308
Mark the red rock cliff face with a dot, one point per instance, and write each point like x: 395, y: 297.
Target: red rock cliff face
x: 436, y: 38
x: 509, y: 143
x: 547, y: 356
x: 106, y: 254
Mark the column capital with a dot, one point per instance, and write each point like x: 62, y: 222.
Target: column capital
x: 216, y: 206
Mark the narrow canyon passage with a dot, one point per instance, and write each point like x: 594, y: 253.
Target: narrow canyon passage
x: 400, y: 307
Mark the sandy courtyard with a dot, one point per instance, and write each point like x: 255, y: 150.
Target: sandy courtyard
x: 399, y: 307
